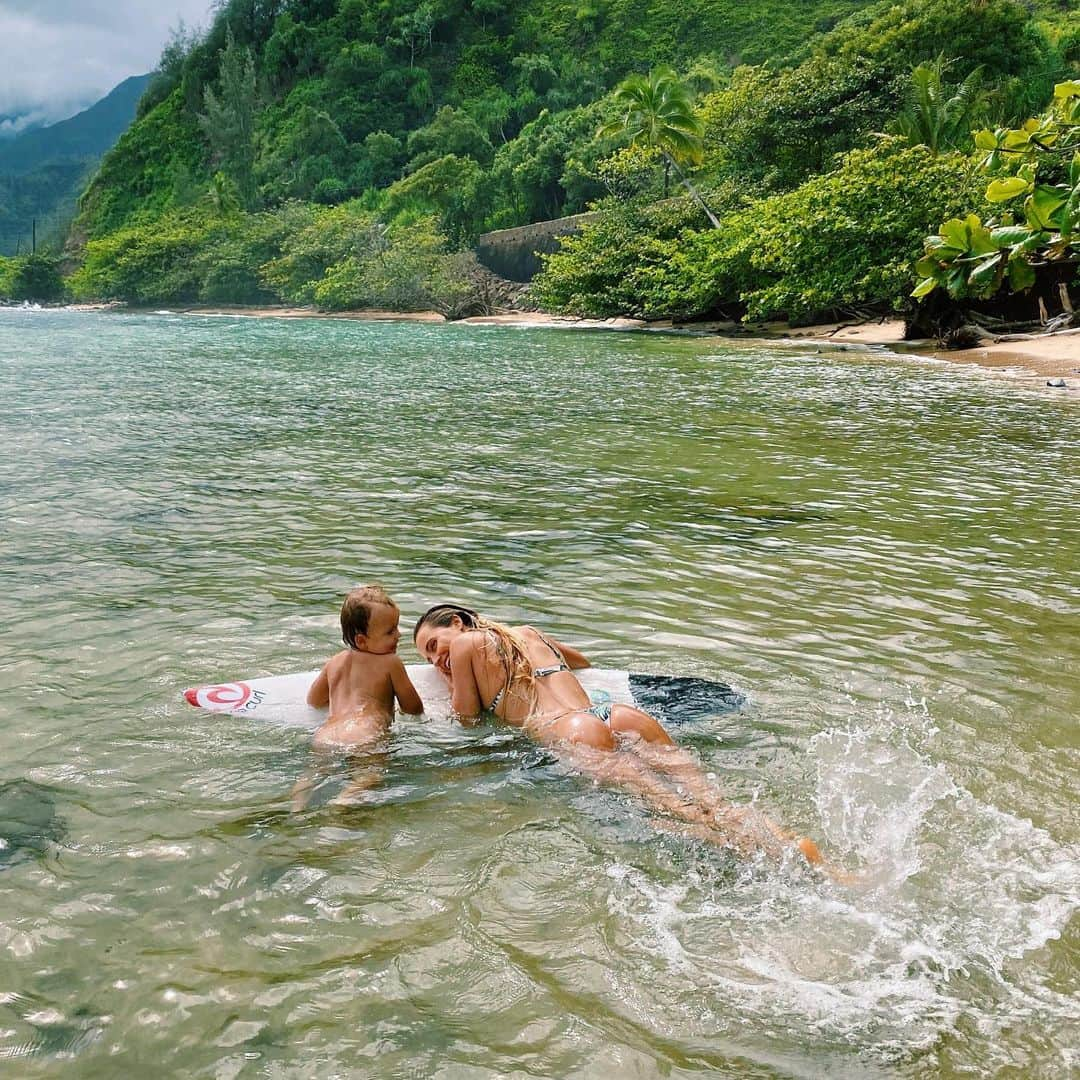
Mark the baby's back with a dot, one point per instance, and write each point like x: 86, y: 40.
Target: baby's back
x: 361, y: 683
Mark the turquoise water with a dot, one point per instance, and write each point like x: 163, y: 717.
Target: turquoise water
x: 880, y: 553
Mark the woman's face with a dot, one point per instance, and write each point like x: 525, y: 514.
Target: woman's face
x: 433, y: 643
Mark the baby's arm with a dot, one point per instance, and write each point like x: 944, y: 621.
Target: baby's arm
x: 407, y: 698
x: 318, y: 695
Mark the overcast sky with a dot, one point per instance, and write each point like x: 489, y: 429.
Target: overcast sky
x: 58, y: 56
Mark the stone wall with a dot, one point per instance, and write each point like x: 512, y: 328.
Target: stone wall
x: 514, y: 253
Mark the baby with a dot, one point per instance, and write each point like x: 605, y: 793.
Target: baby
x: 360, y: 683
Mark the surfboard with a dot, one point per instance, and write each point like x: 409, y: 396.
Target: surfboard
x: 282, y: 699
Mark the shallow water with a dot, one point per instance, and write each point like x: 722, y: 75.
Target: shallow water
x: 881, y: 554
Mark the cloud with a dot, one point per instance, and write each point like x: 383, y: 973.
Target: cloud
x: 58, y: 56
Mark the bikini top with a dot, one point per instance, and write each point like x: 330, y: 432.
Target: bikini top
x: 538, y: 673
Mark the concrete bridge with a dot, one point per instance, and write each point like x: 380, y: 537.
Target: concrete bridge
x: 515, y: 253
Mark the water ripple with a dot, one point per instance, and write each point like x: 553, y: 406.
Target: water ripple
x: 881, y: 554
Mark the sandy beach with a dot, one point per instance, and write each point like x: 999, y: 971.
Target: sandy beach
x: 1038, y: 361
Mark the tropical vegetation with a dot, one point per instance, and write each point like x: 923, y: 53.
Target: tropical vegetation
x: 1034, y: 172
x: 746, y: 160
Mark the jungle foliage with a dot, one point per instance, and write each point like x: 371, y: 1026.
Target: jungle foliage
x: 337, y: 257
x: 345, y: 152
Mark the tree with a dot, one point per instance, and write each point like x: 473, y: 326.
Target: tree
x: 452, y: 131
x: 939, y: 115
x: 414, y: 30
x: 658, y: 112
x: 229, y: 120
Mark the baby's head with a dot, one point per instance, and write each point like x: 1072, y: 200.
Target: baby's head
x: 369, y: 620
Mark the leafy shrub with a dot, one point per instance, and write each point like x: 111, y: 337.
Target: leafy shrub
x: 847, y: 238
x: 31, y: 277
x: 840, y: 240
x: 1039, y: 162
x: 317, y: 240
x: 625, y: 263
x: 394, y: 274
x: 150, y: 261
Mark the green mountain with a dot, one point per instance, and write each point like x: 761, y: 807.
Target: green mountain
x: 352, y: 94
x: 86, y: 135
x: 42, y: 171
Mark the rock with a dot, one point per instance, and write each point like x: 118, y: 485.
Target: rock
x: 1057, y: 384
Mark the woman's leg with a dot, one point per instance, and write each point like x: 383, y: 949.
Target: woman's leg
x: 615, y: 768
x: 626, y: 720
x: 589, y: 744
x: 745, y: 827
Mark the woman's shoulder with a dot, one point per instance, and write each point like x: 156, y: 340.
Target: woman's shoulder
x: 468, y: 641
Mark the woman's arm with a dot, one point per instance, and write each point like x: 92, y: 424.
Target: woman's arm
x: 407, y: 697
x: 464, y: 691
x: 572, y: 656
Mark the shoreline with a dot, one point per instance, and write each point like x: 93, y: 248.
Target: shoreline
x: 1037, y: 361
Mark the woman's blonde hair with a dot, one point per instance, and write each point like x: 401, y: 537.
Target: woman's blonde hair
x: 510, y: 646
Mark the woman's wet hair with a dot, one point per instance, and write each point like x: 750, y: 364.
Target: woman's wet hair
x: 444, y: 615
x: 356, y: 611
x: 511, y: 648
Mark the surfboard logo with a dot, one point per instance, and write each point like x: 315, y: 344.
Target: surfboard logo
x: 225, y: 697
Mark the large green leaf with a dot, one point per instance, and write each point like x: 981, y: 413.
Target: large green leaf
x: 1021, y: 274
x: 1009, y: 188
x: 925, y: 287
x: 982, y: 240
x: 1042, y: 204
x: 955, y: 234
x: 1007, y: 235
x: 983, y: 275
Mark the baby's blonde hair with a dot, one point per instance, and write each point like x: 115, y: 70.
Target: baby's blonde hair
x: 356, y: 610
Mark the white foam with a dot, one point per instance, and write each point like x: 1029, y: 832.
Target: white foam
x: 955, y: 891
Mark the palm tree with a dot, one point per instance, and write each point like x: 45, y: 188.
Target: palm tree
x: 940, y: 115
x: 658, y: 112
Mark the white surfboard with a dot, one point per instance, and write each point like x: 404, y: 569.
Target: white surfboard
x: 282, y: 699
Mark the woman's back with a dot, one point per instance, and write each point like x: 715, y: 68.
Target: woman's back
x: 550, y: 690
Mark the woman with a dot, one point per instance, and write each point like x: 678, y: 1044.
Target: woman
x: 525, y: 679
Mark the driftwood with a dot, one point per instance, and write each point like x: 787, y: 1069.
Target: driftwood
x: 1035, y: 337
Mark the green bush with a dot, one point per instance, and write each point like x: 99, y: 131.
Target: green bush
x: 152, y: 261
x: 845, y: 239
x: 318, y: 240
x: 31, y: 277
x: 393, y: 275
x: 625, y: 264
x: 1039, y: 163
x: 839, y: 241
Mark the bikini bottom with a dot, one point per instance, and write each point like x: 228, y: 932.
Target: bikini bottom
x: 601, y: 711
